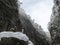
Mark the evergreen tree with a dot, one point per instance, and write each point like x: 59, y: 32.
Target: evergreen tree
x: 54, y: 24
x: 35, y: 34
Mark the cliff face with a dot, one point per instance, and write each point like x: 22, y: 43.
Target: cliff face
x: 54, y: 24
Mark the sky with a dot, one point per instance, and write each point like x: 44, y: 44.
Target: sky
x: 39, y: 10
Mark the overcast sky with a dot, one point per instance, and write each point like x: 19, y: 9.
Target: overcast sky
x: 40, y: 10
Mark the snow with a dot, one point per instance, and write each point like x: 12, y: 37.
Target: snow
x: 18, y: 35
x: 30, y: 43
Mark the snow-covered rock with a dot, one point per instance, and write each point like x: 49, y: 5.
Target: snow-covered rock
x: 18, y: 35
x: 30, y: 43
